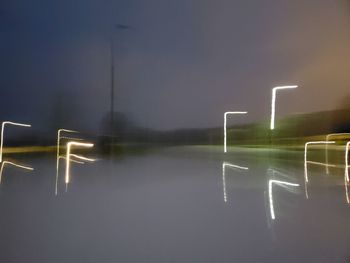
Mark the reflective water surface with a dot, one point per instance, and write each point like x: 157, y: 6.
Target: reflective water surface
x: 183, y: 204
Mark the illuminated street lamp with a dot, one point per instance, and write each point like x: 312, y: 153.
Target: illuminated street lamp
x: 273, y: 103
x: 59, y: 137
x: 69, y: 155
x: 2, y: 133
x: 225, y: 124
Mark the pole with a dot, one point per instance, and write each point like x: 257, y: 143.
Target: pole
x: 112, y: 94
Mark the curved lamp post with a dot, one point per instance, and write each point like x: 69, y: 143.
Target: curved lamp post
x: 273, y: 103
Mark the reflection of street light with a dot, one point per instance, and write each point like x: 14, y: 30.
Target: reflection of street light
x: 273, y: 103
x: 2, y: 133
x: 305, y: 155
x: 282, y: 183
x: 225, y: 121
x: 346, y: 190
x: 14, y: 164
x: 347, y: 161
x: 233, y: 166
x: 326, y: 150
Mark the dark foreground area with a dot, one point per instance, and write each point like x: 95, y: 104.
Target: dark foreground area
x: 181, y: 204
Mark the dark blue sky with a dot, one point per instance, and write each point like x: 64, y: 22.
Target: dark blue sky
x: 183, y: 64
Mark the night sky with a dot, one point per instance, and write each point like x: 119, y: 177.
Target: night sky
x: 181, y: 64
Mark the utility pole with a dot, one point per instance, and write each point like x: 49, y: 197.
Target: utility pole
x: 112, y: 51
x: 112, y: 94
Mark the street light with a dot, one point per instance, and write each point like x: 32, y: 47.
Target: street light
x: 68, y: 156
x: 2, y: 133
x: 273, y: 103
x: 59, y: 137
x: 225, y: 124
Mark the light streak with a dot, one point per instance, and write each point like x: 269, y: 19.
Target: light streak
x: 347, y: 161
x: 322, y: 164
x: 278, y: 182
x: 225, y: 125
x: 276, y: 172
x: 2, y: 133
x: 59, y: 137
x: 58, y: 157
x: 327, y: 139
x: 346, y: 190
x: 233, y: 166
x: 68, y: 156
x: 73, y: 161
x: 82, y: 158
x: 273, y: 103
x: 306, y: 178
x: 14, y: 164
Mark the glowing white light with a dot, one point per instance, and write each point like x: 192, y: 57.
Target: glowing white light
x: 326, y: 150
x: 278, y: 182
x: 82, y: 158
x: 225, y: 124
x: 14, y: 164
x: 322, y: 164
x: 58, y: 157
x: 2, y: 133
x: 273, y: 103
x: 73, y: 161
x: 306, y: 178
x: 347, y: 161
x: 233, y: 166
x: 68, y: 156
x: 59, y: 137
x: 346, y: 190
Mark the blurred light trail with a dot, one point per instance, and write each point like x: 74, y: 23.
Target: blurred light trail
x: 306, y: 178
x: 14, y: 164
x: 346, y: 190
x: 68, y: 156
x: 273, y: 103
x: 58, y: 157
x: 225, y: 125
x: 281, y: 183
x: 59, y: 137
x: 273, y: 172
x: 322, y: 164
x: 327, y: 139
x: 233, y: 166
x: 2, y: 133
x: 347, y: 161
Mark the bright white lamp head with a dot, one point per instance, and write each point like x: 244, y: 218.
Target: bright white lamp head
x: 273, y: 102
